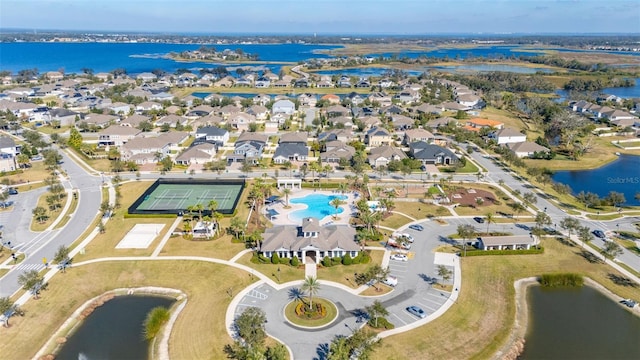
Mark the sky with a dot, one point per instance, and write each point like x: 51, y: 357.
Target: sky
x: 400, y: 17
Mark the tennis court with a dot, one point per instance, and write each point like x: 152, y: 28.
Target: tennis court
x: 175, y: 196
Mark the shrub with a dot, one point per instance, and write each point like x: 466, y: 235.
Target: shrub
x: 347, y: 260
x: 275, y: 259
x: 539, y: 250
x: 295, y: 262
x: 357, y: 259
x: 285, y: 261
x: 383, y: 323
x: 326, y: 261
x: 336, y: 260
x: 561, y: 279
x: 154, y: 321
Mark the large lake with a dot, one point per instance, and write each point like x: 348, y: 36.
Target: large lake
x: 579, y: 323
x: 113, y: 331
x: 621, y: 175
x: 623, y: 92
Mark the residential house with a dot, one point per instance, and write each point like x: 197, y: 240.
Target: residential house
x: 151, y: 149
x: 468, y: 100
x: 323, y: 84
x: 262, y: 82
x: 8, y: 146
x: 377, y: 136
x: 342, y: 121
x: 344, y: 82
x: 148, y: 106
x: 413, y: 135
x: 197, y: 154
x: 363, y: 84
x: 171, y: 120
x: 391, y: 110
x: 428, y: 109
x: 478, y: 124
x: 385, y: 83
x: 355, y: 98
x: 331, y: 99
x: 98, y: 120
x: 309, y: 100
x: 206, y: 121
x: 454, y: 106
x: 382, y: 155
x: 134, y: 120
x: 226, y: 81
x: 64, y: 117
x: 443, y: 121
x: 344, y: 135
x: 310, y: 241
x: 301, y: 83
x: 261, y: 99
x: 286, y: 107
x: 240, y: 121
x: 212, y: 134
x: 147, y: 77
x: 291, y: 147
x: 116, y: 135
x: 54, y: 75
x: 162, y: 96
x: 431, y: 154
x: 337, y: 110
x: 526, y: 148
x: 200, y: 111
x: 228, y: 110
x: 381, y: 98
x: 248, y: 147
x: 507, y: 136
x: 260, y: 112
x: 119, y: 108
x: 401, y: 122
x: 22, y: 110
x: 408, y: 96
x: 336, y: 150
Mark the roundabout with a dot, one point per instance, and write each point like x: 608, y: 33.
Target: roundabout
x: 314, y: 314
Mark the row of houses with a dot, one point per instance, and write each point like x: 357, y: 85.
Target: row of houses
x: 616, y: 117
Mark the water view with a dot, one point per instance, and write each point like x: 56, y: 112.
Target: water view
x: 579, y: 323
x: 623, y: 92
x: 365, y: 72
x: 114, y: 330
x: 620, y: 175
x: 491, y: 67
x: 318, y: 206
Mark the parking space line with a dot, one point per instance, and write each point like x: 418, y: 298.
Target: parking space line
x: 398, y: 317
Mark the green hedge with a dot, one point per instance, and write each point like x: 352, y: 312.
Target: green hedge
x: 383, y: 323
x: 149, y: 216
x: 308, y: 185
x: 561, y: 279
x: 539, y: 250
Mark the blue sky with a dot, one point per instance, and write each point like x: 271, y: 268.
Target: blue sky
x: 326, y: 16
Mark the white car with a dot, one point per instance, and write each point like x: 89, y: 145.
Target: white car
x: 391, y: 281
x: 399, y: 257
x: 404, y: 236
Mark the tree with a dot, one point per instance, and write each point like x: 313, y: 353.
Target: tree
x: 616, y: 198
x: 237, y: 226
x: 611, y: 250
x: 62, y: 258
x: 336, y: 202
x: 489, y: 218
x: 286, y: 192
x: 466, y: 231
x: 246, y: 168
x: 7, y: 308
x: 212, y: 206
x: 542, y: 219
x: 250, y: 326
x: 584, y: 234
x: 569, y: 224
x: 52, y: 158
x: 166, y: 163
x: 375, y: 311
x: 75, y: 139
x: 22, y: 160
x: 311, y: 286
x: 587, y: 198
x: 40, y: 214
x: 529, y: 199
x: 444, y: 273
x: 31, y: 281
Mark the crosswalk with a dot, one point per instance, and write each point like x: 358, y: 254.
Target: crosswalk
x: 257, y: 294
x: 27, y: 267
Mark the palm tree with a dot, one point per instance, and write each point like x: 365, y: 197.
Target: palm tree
x: 466, y: 232
x: 343, y: 187
x: 212, y: 206
x: 336, y: 202
x: 375, y: 311
x: 311, y: 286
x: 286, y: 192
x: 489, y: 218
x: 32, y: 282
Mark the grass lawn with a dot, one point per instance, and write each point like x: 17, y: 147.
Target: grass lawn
x: 332, y: 312
x: 50, y: 130
x: 37, y: 172
x: 373, y: 292
x: 343, y: 274
x: 30, y: 186
x: 52, y: 214
x: 103, y: 165
x: 219, y: 248
x: 199, y: 332
x: 505, y: 117
x: 67, y: 215
x: 468, y: 168
x: 419, y: 211
x: 482, y: 319
x: 395, y: 221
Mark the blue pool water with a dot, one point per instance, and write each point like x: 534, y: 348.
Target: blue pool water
x: 318, y: 206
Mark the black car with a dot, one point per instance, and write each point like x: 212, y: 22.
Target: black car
x: 479, y: 220
x: 12, y: 191
x: 599, y: 233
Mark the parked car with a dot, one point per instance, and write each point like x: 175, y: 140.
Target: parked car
x: 399, y: 257
x: 404, y: 237
x: 599, y: 233
x: 416, y: 227
x: 479, y: 220
x: 417, y: 311
x: 36, y: 158
x: 391, y: 281
x: 628, y: 302
x: 12, y: 191
x: 523, y: 227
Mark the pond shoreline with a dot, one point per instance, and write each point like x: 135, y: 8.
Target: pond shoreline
x: 515, y: 344
x: 73, y: 323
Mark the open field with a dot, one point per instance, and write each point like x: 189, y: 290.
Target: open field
x: 199, y: 332
x: 482, y: 318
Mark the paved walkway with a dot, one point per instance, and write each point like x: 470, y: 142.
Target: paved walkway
x: 310, y: 270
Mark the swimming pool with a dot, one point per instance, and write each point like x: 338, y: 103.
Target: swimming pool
x: 318, y: 206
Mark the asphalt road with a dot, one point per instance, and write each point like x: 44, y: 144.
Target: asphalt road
x: 37, y: 246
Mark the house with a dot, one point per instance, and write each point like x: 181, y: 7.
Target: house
x: 380, y: 98
x: 428, y: 109
x: 226, y: 81
x: 151, y: 149
x: 240, y: 121
x: 443, y: 121
x: 98, y: 120
x: 468, y: 100
x: 119, y: 108
x: 526, y: 148
x: 307, y: 100
x: 310, y: 241
x: 116, y: 135
x: 301, y: 83
x: 478, y: 124
x: 197, y: 154
x: 454, y: 106
x: 336, y: 150
x: 228, y: 110
x: 64, y: 117
x: 54, y: 75
x: 377, y: 136
x: 507, y: 136
x: 324, y: 84
x: 171, y: 120
x: 408, y: 96
x: 286, y: 107
x: 211, y: 134
x: 162, y: 96
x: 337, y: 110
x: 134, y: 120
x: 261, y: 99
x: 382, y: 155
x: 248, y: 147
x: 293, y: 137
x: 413, y: 135
x: 200, y: 111
x: 147, y: 77
x: 514, y: 242
x: 260, y: 112
x: 341, y: 121
x: 344, y: 82
x: 148, y: 106
x: 8, y: 146
x: 262, y: 82
x: 22, y: 110
x: 431, y: 154
x: 344, y: 135
x: 291, y: 147
x: 331, y: 99
x: 401, y: 122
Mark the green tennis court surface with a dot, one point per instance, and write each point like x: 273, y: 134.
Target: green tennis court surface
x: 176, y: 197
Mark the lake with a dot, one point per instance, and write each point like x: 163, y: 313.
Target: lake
x: 621, y: 175
x: 113, y: 331
x: 496, y: 51
x: 579, y: 323
x: 623, y: 92
x: 364, y: 72
x: 490, y: 68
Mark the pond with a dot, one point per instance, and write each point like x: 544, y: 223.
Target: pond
x: 623, y: 92
x: 579, y: 323
x: 114, y: 330
x: 491, y: 67
x: 620, y: 175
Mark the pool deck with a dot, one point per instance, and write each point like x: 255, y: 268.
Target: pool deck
x: 283, y: 217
